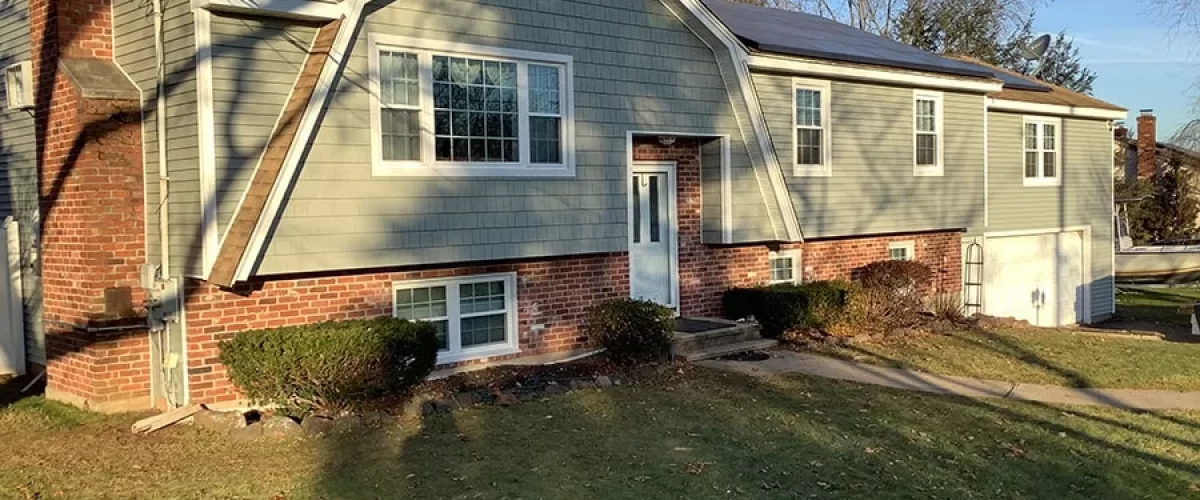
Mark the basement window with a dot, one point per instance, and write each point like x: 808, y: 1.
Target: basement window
x: 18, y: 86
x: 475, y: 316
x: 448, y: 109
x: 901, y: 250
x: 784, y: 266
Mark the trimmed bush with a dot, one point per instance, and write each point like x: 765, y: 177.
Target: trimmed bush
x: 333, y: 366
x: 782, y: 307
x: 898, y: 275
x: 632, y: 331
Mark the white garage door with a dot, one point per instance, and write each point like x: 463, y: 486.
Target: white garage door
x: 1037, y: 278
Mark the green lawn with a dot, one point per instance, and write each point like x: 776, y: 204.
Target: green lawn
x: 1107, y: 357
x: 1054, y: 357
x: 1157, y: 309
x: 702, y: 435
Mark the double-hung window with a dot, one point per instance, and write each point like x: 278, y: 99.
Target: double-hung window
x: 475, y: 316
x: 927, y: 133
x: 784, y: 267
x: 811, y: 128
x: 1043, y: 158
x: 446, y: 109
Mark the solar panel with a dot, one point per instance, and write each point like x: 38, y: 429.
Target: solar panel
x: 800, y: 34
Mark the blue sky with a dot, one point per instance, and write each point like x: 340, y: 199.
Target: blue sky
x: 1140, y: 62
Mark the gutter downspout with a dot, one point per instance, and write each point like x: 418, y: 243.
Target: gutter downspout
x: 160, y: 132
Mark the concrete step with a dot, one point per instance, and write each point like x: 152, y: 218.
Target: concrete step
x: 734, y: 333
x: 722, y: 350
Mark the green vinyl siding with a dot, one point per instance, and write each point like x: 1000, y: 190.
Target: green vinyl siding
x: 710, y: 192
x: 636, y: 68
x: 255, y: 63
x: 18, y: 174
x: 1083, y: 199
x: 872, y: 188
x: 133, y: 36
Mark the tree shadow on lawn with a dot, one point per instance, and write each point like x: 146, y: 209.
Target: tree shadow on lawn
x: 714, y: 435
x: 1159, y: 311
x: 1028, y: 356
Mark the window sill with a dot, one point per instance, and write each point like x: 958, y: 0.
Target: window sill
x: 453, y: 169
x: 812, y: 171
x: 928, y: 171
x: 477, y: 353
x: 1043, y: 181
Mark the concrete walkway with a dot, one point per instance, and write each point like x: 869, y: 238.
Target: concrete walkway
x: 786, y: 362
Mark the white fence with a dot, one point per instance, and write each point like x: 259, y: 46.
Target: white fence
x: 12, y: 321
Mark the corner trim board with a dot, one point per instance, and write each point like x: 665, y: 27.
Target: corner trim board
x: 205, y: 118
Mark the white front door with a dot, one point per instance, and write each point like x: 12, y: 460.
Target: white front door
x: 652, y: 234
x: 1037, y: 278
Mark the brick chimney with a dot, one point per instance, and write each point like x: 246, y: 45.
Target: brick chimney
x: 1147, y: 144
x: 91, y: 192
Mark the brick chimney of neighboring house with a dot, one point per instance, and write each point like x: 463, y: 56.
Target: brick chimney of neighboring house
x: 1147, y: 144
x: 89, y: 154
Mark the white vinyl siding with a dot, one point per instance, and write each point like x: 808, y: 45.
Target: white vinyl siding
x: 475, y: 316
x: 492, y: 112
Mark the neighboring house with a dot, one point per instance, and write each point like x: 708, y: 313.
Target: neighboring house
x: 1143, y: 155
x: 498, y: 166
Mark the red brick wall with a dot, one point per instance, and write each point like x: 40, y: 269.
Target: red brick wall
x: 91, y: 192
x: 838, y: 258
x: 553, y: 293
x: 706, y: 271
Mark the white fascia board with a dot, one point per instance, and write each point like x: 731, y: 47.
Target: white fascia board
x: 892, y: 77
x: 309, y: 10
x: 1055, y: 109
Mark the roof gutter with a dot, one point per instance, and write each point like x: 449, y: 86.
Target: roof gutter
x: 812, y: 67
x: 1055, y: 109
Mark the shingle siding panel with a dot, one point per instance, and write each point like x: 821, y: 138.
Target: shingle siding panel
x: 636, y: 68
x: 255, y: 65
x: 133, y: 36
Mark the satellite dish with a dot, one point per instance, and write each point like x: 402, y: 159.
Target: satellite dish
x: 1036, y: 49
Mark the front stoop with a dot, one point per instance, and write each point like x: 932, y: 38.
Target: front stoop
x: 720, y: 338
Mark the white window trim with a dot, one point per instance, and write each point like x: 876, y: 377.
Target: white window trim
x: 825, y: 169
x: 909, y: 246
x: 938, y: 169
x: 24, y: 71
x: 454, y: 339
x: 1042, y: 181
x: 797, y: 267
x: 428, y: 167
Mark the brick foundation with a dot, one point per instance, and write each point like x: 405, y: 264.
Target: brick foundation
x: 89, y: 155
x: 552, y: 293
x: 706, y: 271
